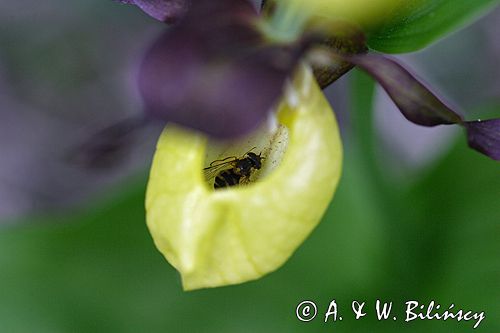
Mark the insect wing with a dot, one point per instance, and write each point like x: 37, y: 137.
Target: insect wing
x: 215, y: 167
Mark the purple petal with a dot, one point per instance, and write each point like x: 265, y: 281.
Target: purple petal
x: 212, y: 72
x: 484, y: 136
x: 168, y: 11
x: 107, y: 147
x: 417, y: 103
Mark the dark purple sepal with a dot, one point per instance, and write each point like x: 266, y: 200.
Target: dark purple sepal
x: 484, y: 136
x: 108, y: 146
x: 419, y: 105
x: 168, y: 11
x: 213, y: 72
x: 415, y: 101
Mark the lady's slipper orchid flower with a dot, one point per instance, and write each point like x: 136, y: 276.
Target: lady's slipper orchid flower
x: 221, y: 71
x: 221, y: 237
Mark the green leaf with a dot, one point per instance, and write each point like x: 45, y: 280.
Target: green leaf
x: 424, y: 22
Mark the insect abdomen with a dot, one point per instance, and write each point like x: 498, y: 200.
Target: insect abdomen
x: 226, y: 178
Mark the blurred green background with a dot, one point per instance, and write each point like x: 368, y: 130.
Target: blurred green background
x: 394, y: 231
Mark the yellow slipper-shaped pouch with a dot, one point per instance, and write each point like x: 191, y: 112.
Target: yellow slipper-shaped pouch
x: 240, y: 233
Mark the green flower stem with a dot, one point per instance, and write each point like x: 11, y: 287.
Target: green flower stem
x: 388, y: 202
x: 361, y: 95
x: 383, y: 198
x: 362, y: 156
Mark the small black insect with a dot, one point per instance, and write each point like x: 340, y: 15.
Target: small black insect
x: 232, y: 170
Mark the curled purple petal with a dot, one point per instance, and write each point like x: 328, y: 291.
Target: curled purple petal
x: 168, y: 11
x: 484, y: 136
x: 213, y: 72
x: 107, y: 147
x: 417, y: 103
